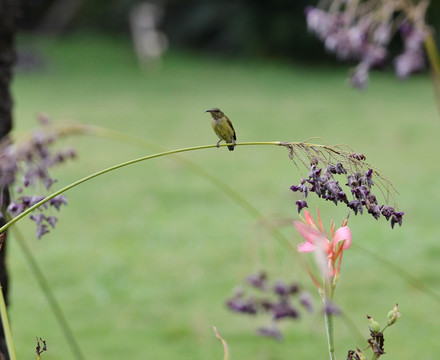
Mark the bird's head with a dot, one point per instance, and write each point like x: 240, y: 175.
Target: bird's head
x: 216, y: 113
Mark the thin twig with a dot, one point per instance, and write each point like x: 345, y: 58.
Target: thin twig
x: 224, y: 343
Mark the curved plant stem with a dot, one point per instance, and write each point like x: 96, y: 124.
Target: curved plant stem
x: 214, y: 180
x: 6, y: 327
x: 116, y: 167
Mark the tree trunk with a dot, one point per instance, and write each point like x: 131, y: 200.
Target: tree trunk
x: 8, y: 17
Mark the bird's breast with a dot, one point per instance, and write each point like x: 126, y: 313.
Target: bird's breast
x: 222, y: 129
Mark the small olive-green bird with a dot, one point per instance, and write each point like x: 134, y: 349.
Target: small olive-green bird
x: 222, y: 127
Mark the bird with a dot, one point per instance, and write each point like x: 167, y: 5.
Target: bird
x: 223, y: 127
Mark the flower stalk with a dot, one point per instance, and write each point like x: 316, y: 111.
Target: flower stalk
x: 330, y: 334
x: 328, y: 257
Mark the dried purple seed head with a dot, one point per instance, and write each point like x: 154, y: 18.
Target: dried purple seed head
x: 306, y: 300
x: 41, y: 230
x: 387, y: 211
x: 38, y: 218
x: 294, y: 288
x: 258, y: 280
x: 245, y: 306
x: 397, y: 218
x: 301, y: 204
x: 281, y: 288
x: 283, y: 309
x: 57, y: 201
x: 271, y: 332
x: 15, y: 208
x: 52, y: 220
x: 374, y: 210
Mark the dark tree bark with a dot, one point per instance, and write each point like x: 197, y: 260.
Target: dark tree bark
x: 8, y: 17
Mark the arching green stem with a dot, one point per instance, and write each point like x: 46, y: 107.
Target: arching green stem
x: 116, y: 167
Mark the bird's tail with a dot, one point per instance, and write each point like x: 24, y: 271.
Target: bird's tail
x: 231, y: 147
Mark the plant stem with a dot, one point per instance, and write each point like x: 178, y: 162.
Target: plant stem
x: 116, y: 167
x: 330, y: 333
x: 328, y: 315
x: 432, y: 52
x: 6, y: 327
x: 224, y: 343
x: 434, y: 60
x: 214, y: 180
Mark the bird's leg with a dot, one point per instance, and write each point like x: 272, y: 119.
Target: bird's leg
x: 218, y: 144
x: 233, y: 142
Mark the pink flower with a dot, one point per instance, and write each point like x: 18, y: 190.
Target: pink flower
x: 316, y: 237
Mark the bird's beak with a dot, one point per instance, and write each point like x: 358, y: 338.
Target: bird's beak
x: 208, y: 111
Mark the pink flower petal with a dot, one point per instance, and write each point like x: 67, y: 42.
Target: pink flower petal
x: 309, y: 219
x: 307, y: 232
x: 306, y: 247
x: 312, y: 236
x: 343, y: 233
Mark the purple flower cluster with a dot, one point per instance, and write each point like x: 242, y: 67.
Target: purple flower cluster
x: 26, y: 166
x: 37, y: 158
x: 323, y: 184
x: 273, y: 299
x: 412, y: 59
x: 42, y: 220
x: 349, y: 39
x: 363, y: 36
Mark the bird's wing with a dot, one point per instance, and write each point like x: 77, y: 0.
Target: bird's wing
x: 230, y: 124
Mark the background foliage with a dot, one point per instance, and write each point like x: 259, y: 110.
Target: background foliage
x: 270, y: 28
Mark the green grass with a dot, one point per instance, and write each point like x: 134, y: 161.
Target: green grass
x: 143, y: 258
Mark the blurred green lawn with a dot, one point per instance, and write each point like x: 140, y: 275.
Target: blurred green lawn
x: 143, y: 258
